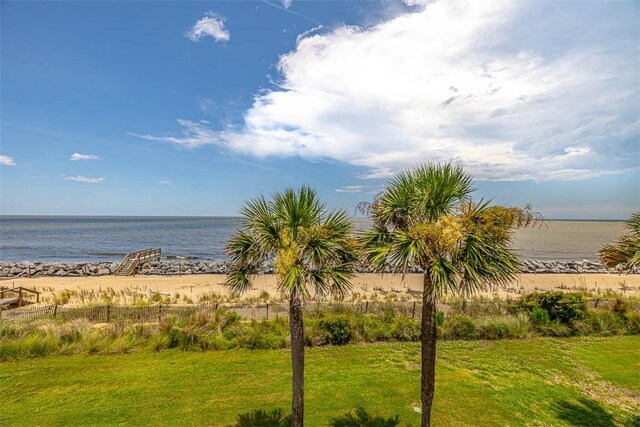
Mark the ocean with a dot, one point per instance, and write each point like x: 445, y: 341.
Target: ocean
x: 91, y: 239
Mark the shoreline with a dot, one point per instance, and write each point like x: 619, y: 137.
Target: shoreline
x: 367, y: 286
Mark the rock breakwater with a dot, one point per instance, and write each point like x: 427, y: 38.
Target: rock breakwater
x: 67, y: 269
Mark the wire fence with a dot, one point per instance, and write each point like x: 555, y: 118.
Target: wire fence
x: 155, y: 313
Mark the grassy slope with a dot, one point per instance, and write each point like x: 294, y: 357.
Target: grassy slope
x: 586, y: 381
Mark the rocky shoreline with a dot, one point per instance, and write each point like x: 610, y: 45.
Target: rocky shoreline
x: 164, y: 268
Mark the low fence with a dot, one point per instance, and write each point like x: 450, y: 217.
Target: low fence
x: 155, y: 313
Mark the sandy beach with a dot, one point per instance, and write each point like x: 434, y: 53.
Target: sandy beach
x: 366, y: 286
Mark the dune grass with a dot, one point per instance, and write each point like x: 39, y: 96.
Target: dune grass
x: 541, y: 381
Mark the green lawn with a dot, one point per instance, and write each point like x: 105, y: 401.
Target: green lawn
x: 581, y: 381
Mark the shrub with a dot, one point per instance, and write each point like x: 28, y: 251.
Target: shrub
x: 94, y: 342
x: 633, y: 323
x: 191, y: 337
x: 460, y: 327
x: 554, y: 329
x: 499, y: 327
x: 159, y: 342
x: 122, y: 344
x: 539, y: 316
x: 600, y: 322
x: 621, y: 308
x: 373, y: 328
x: 563, y: 307
x: 230, y: 318
x: 338, y: 329
x: 405, y: 329
x: 263, y: 335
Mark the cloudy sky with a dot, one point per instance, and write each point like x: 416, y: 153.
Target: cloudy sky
x: 190, y: 108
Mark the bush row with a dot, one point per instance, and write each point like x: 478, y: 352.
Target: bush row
x: 224, y: 330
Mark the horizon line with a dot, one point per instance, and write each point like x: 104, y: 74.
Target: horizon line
x: 237, y: 216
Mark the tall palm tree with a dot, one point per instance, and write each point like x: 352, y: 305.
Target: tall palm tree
x: 626, y: 251
x: 313, y: 252
x: 425, y: 218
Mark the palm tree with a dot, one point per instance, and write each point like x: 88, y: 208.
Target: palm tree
x: 425, y: 218
x: 313, y: 252
x: 626, y: 251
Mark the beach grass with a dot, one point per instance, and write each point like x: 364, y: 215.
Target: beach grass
x: 541, y: 381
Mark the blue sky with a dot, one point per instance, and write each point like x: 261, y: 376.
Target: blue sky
x: 191, y: 108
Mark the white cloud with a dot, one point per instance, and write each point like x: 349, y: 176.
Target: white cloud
x: 7, y: 160
x: 78, y: 156
x: 195, y: 134
x: 80, y: 178
x: 350, y: 189
x: 164, y: 182
x: 211, y: 25
x: 477, y: 83
x: 286, y: 3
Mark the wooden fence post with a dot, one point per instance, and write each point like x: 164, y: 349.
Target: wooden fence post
x: 108, y: 313
x: 29, y: 271
x: 159, y: 312
x: 366, y: 307
x: 413, y: 311
x: 20, y: 298
x: 267, y: 311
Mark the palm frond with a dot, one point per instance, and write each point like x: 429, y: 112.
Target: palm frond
x: 293, y: 281
x: 243, y: 249
x: 444, y: 275
x: 246, y: 260
x: 394, y: 206
x: 440, y: 188
x: 298, y: 209
x: 334, y: 281
x: 625, y: 252
x: 406, y: 250
x: 376, y: 244
x: 239, y: 278
x: 485, y: 262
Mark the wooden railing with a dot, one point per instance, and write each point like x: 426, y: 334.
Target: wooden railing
x: 19, y: 290
x: 148, y: 255
x: 129, y: 265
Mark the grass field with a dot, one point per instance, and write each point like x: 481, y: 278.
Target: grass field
x: 577, y: 381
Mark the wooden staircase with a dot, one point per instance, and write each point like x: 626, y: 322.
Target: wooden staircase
x: 133, y: 260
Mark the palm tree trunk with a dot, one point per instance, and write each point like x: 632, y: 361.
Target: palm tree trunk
x: 428, y: 342
x: 297, y: 359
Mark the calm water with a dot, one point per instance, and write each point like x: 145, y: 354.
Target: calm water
x: 30, y: 238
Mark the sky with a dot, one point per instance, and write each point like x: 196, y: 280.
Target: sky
x: 192, y: 108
